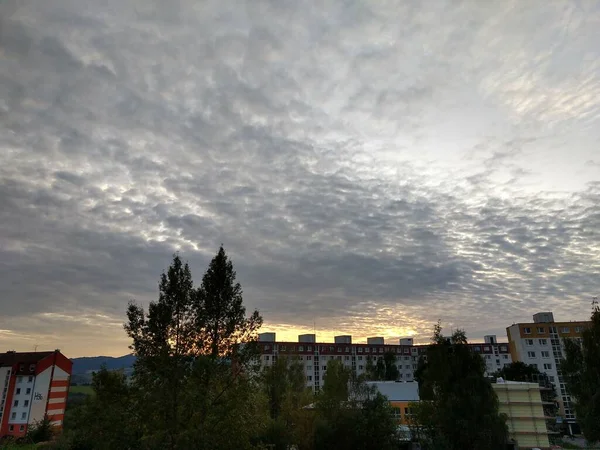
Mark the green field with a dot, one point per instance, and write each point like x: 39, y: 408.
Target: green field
x: 87, y: 390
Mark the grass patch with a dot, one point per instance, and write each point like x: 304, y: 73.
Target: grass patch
x: 87, y: 390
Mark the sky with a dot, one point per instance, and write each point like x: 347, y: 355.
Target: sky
x: 369, y: 166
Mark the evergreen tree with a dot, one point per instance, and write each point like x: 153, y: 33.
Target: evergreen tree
x: 163, y: 341
x: 459, y: 409
x: 581, y: 372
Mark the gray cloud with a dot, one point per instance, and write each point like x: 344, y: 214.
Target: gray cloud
x: 367, y: 167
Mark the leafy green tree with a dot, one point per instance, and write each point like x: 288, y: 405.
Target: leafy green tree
x: 107, y: 419
x: 383, y: 370
x: 581, y: 372
x: 164, y: 342
x: 352, y: 414
x: 287, y: 396
x: 195, y: 349
x: 459, y: 408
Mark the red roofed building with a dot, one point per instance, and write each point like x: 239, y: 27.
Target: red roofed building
x: 32, y: 385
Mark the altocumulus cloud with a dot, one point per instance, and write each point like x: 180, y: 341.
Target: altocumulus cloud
x: 370, y: 166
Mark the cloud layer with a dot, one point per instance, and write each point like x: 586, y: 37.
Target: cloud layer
x: 369, y: 167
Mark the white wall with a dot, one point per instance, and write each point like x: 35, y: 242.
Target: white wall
x: 40, y: 395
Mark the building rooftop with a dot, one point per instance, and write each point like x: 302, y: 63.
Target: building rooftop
x: 398, y: 391
x: 11, y: 358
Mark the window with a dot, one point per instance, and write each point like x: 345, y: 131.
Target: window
x: 486, y: 349
x: 324, y: 368
x: 31, y: 367
x: 301, y: 348
x: 400, y: 375
x: 309, y: 368
x: 488, y: 357
x: 22, y: 428
x: 16, y: 403
x: 28, y: 391
x: 309, y: 358
x: 504, y: 356
x: 498, y: 361
x: 267, y: 347
x: 529, y: 342
x: 18, y: 391
x: 543, y: 342
x: 360, y: 367
x: 477, y: 349
x: 309, y: 378
x: 541, y: 330
x: 407, y: 366
x: 503, y: 348
x: 396, y: 413
x: 347, y: 358
x: 406, y: 350
x: 30, y: 379
x: 548, y: 366
x: 367, y: 350
x: 347, y: 349
x: 26, y: 403
x: 360, y: 358
x: 545, y: 354
x: 577, y: 329
x: 266, y: 357
x: 565, y: 330
x: 531, y: 354
x: 360, y: 350
x: 407, y: 358
x: 339, y: 349
x: 24, y: 415
x: 551, y: 378
x: 282, y: 348
x: 414, y: 367
x: 527, y: 330
x: 380, y: 349
x: 19, y: 379
x: 13, y: 415
x: 21, y: 367
x: 11, y: 428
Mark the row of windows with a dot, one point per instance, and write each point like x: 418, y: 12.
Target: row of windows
x: 564, y: 330
x: 13, y: 416
x: 20, y: 379
x: 25, y: 403
x: 27, y: 391
x: 544, y: 353
x: 529, y: 342
x: 11, y: 428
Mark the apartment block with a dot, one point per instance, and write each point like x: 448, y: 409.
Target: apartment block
x: 33, y: 384
x: 541, y: 343
x: 316, y: 355
x: 522, y: 403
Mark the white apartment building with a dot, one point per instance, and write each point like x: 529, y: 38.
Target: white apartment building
x: 316, y: 355
x: 540, y: 343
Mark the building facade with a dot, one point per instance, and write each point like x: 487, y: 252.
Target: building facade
x: 540, y: 343
x: 316, y: 355
x: 522, y: 403
x: 34, y: 384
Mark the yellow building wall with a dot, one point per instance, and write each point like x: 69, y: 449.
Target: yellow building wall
x: 522, y: 404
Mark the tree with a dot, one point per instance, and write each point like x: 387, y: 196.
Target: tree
x: 581, y: 372
x: 352, y: 414
x: 384, y: 370
x: 107, y: 419
x: 287, y: 396
x: 194, y: 349
x: 164, y: 341
x: 459, y: 408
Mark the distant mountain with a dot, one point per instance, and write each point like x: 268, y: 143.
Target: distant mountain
x: 90, y: 364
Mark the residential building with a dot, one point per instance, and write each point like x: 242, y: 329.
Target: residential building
x: 400, y: 395
x: 316, y: 355
x: 33, y: 385
x: 540, y: 343
x: 523, y: 406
